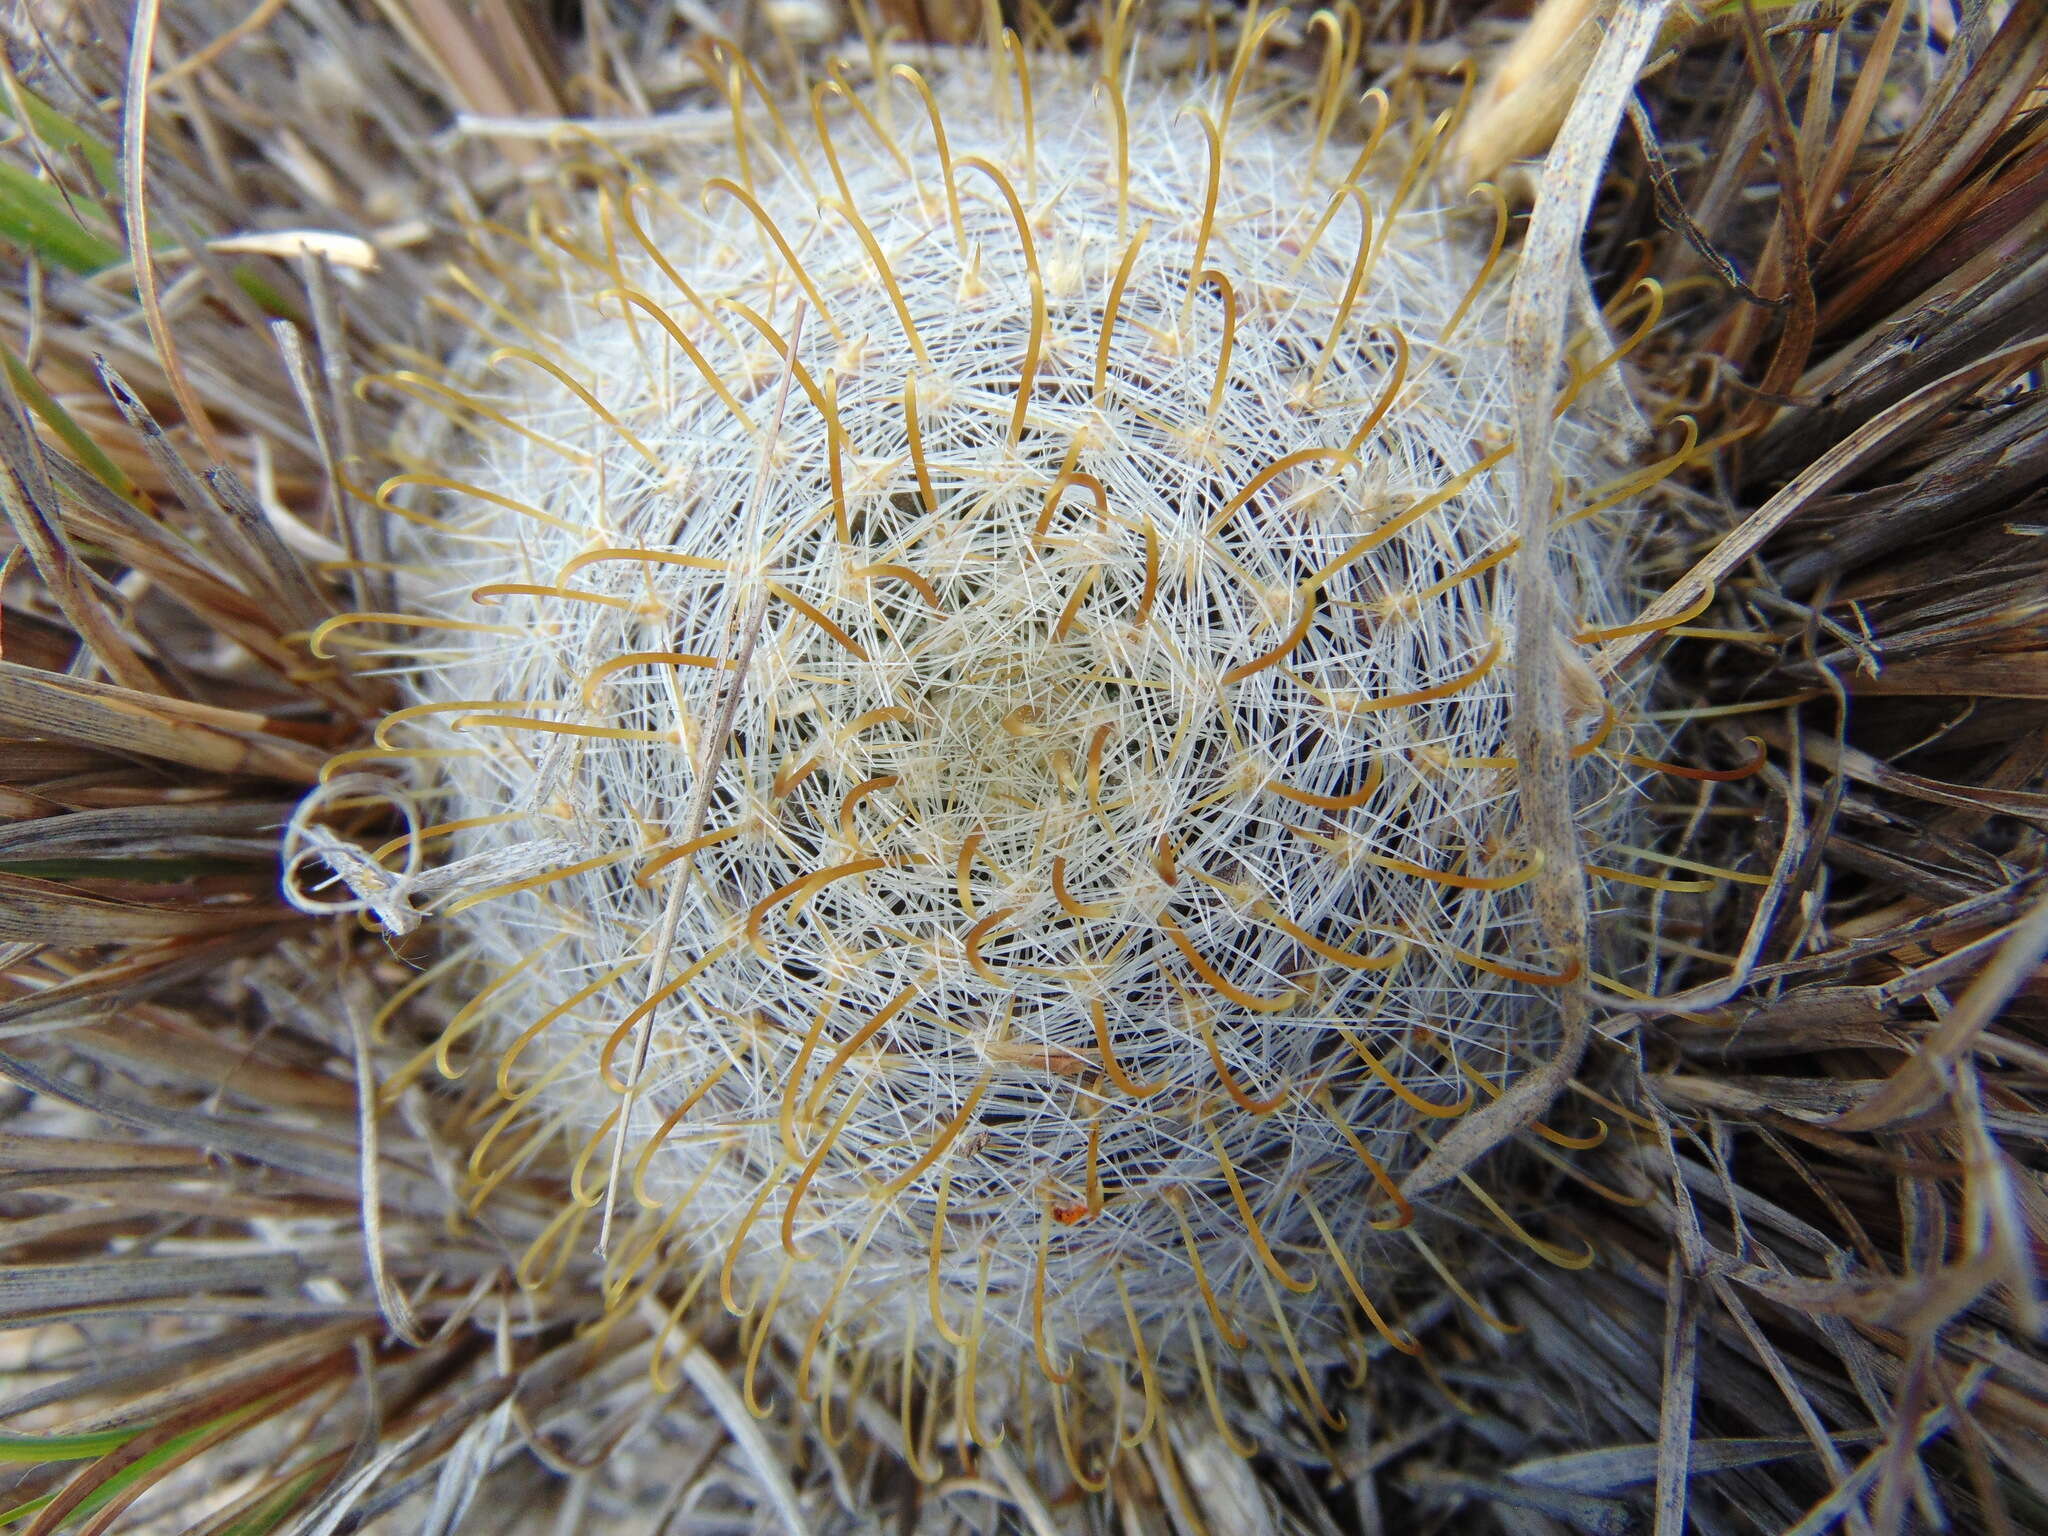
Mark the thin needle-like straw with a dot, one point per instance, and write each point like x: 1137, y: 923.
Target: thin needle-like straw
x: 714, y: 747
x: 135, y: 211
x: 1536, y: 318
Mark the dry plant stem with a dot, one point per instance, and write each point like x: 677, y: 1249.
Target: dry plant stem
x: 1863, y: 99
x: 1683, y: 1301
x: 747, y: 632
x: 1663, y: 184
x: 712, y: 1379
x: 258, y: 18
x: 291, y: 347
x: 398, y: 1313
x: 1792, y: 232
x: 135, y: 211
x: 416, y: 1195
x: 1539, y: 303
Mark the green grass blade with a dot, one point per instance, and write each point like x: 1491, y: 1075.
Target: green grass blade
x: 57, y: 131
x: 41, y: 1448
x: 88, y: 453
x: 270, y: 1514
x: 34, y: 214
x: 23, y: 1511
x: 146, y: 1466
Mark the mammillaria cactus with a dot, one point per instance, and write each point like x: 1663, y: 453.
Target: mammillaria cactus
x: 959, y: 676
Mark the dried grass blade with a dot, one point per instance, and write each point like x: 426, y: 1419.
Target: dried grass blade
x: 523, y: 57
x: 1842, y: 1502
x: 445, y: 36
x: 416, y: 1194
x: 26, y: 1289
x: 1861, y: 447
x: 1682, y: 1308
x: 133, y: 1371
x: 220, y: 1067
x: 463, y: 1468
x: 1793, y: 231
x: 1945, y: 144
x: 291, y: 347
x: 1582, y: 1512
x: 1924, y: 1078
x: 289, y: 579
x: 1030, y: 1503
x: 391, y: 1301
x: 1867, y: 768
x: 261, y: 1354
x: 19, y: 1153
x: 1998, y: 466
x: 2020, y: 675
x: 135, y: 211
x: 1548, y: 277
x: 1795, y: 1396
x: 136, y: 830
x: 1872, y: 73
x: 43, y: 912
x: 135, y: 974
x: 125, y: 721
x: 240, y: 532
x: 345, y: 1498
x: 1614, y: 1468
x: 254, y: 22
x: 363, y: 536
x: 767, y: 1463
x: 31, y: 507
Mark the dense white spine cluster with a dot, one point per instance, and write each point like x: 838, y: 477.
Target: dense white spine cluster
x: 1028, y: 762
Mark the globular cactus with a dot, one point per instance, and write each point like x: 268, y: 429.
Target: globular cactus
x: 957, y: 727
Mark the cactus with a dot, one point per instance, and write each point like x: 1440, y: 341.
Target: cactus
x: 957, y: 726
